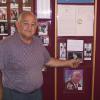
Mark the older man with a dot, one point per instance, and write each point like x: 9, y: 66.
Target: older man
x: 22, y: 57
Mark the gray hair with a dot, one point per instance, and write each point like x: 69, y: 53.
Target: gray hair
x: 25, y: 13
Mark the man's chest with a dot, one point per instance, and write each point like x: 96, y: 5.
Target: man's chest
x: 24, y: 57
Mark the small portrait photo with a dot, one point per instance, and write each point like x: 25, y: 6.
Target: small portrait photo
x: 62, y: 51
x: 14, y: 12
x: 73, y: 80
x: 43, y: 28
x: 13, y: 28
x: 3, y: 13
x: 87, y: 51
x: 45, y: 40
x: 3, y: 28
x: 75, y: 55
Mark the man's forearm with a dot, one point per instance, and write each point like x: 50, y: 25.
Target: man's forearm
x: 63, y: 63
x: 57, y: 63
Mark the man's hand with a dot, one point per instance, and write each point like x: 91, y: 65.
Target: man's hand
x: 74, y: 63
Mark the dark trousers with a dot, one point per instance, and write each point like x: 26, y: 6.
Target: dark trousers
x: 10, y: 94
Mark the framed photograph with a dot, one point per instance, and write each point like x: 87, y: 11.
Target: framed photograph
x: 3, y: 14
x: 43, y: 28
x: 75, y: 1
x: 27, y: 9
x: 75, y: 55
x: 62, y: 51
x: 14, y: 12
x: 87, y: 51
x: 73, y: 79
x: 3, y: 28
x: 45, y: 40
x: 13, y: 28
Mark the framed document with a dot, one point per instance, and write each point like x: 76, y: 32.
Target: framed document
x: 75, y: 20
x: 43, y: 9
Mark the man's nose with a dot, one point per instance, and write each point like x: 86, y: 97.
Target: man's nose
x: 29, y: 26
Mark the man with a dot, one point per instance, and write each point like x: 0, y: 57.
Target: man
x: 22, y: 57
x: 74, y: 82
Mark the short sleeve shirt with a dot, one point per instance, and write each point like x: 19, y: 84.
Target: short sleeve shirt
x: 21, y: 63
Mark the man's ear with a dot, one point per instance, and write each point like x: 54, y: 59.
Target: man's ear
x: 17, y: 25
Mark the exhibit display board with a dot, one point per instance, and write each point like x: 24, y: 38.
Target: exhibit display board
x: 45, y: 12
x: 75, y: 40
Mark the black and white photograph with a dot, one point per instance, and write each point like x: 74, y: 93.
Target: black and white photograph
x: 3, y: 28
x: 13, y: 28
x: 14, y: 11
x: 43, y: 28
x: 75, y: 55
x: 45, y: 40
x: 73, y: 79
x: 62, y: 51
x: 87, y: 51
x: 3, y: 13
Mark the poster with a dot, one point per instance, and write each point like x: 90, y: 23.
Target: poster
x: 43, y: 9
x: 75, y: 20
x: 75, y: 1
x: 73, y: 79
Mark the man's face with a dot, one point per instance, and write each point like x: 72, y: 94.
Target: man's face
x: 76, y: 77
x: 27, y: 27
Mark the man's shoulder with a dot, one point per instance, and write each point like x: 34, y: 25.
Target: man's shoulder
x: 6, y: 41
x: 69, y: 82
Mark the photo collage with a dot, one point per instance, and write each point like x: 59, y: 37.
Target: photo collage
x: 8, y: 18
